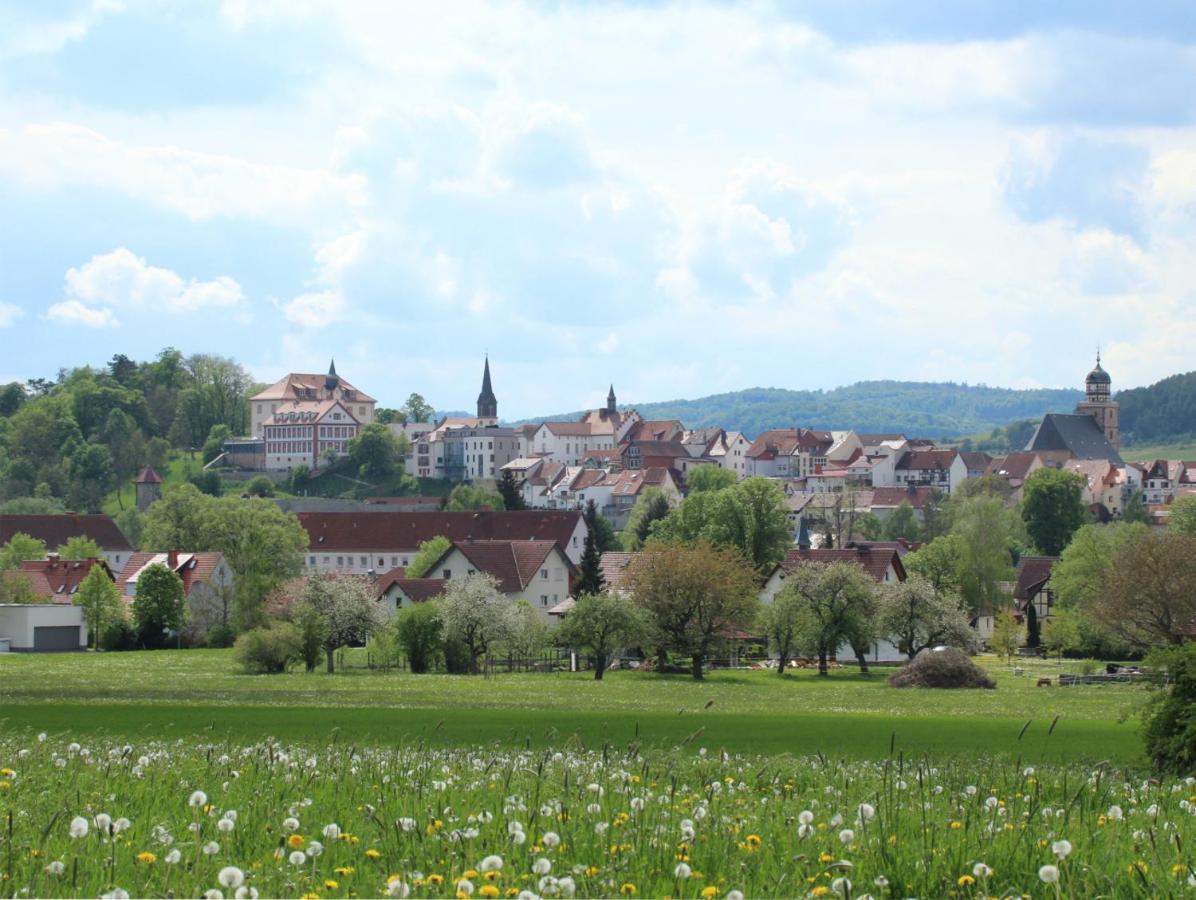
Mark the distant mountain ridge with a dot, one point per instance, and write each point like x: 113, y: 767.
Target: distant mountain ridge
x: 922, y: 409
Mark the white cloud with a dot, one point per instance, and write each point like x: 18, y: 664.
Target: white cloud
x: 121, y: 278
x: 9, y: 313
x: 35, y: 38
x: 199, y: 185
x: 72, y: 312
x: 314, y: 310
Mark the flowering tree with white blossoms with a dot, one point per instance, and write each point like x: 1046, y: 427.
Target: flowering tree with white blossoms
x: 349, y: 607
x: 476, y: 613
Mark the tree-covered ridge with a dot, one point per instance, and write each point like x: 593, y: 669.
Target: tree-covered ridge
x: 1162, y: 411
x: 925, y: 409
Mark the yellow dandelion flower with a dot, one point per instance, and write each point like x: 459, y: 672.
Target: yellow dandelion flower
x: 591, y: 871
x: 627, y: 888
x: 956, y: 825
x: 146, y: 857
x: 435, y: 880
x: 4, y: 785
x: 1101, y: 820
x: 471, y: 874
x: 488, y: 890
x: 753, y: 840
x: 1178, y: 869
x: 310, y: 895
x: 1138, y: 866
x: 330, y: 884
x: 821, y: 891
x: 7, y: 772
x: 512, y: 892
x: 966, y: 881
x: 709, y: 891
x: 492, y: 875
x: 34, y: 852
x: 825, y: 857
x: 343, y: 870
x: 892, y: 840
x: 373, y: 854
x: 295, y: 841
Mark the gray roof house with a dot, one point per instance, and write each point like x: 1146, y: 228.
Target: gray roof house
x: 1078, y: 435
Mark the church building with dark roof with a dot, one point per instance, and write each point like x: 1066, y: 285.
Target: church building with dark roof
x: 1093, y: 432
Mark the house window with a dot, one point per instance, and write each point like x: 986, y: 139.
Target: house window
x: 340, y: 560
x: 543, y: 599
x: 544, y: 574
x: 365, y: 561
x: 311, y: 560
x: 447, y: 573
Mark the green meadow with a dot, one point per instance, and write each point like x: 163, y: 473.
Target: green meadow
x: 161, y: 694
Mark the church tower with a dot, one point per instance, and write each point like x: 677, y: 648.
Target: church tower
x: 611, y: 406
x: 487, y: 402
x: 1098, y: 404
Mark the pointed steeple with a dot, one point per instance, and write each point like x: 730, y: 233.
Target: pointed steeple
x: 332, y: 380
x: 611, y: 406
x: 803, y: 535
x: 487, y: 402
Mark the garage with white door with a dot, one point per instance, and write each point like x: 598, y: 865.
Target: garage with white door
x: 42, y: 628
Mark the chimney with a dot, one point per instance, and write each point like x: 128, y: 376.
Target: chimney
x: 52, y: 558
x: 172, y: 559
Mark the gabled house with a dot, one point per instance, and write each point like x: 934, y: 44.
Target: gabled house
x: 885, y: 500
x: 1106, y: 488
x: 640, y: 454
x: 396, y: 591
x: 307, y: 432
x: 627, y: 486
x: 1015, y: 469
x: 56, y: 529
x: 1033, y: 586
x: 941, y: 469
x: 54, y: 622
x: 308, y: 388
x: 207, y: 585
x: 882, y: 563
x: 536, y: 571
x: 655, y: 430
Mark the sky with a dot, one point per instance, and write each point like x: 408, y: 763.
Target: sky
x: 679, y: 198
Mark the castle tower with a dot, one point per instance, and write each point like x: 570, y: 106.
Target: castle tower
x: 487, y: 402
x: 611, y: 406
x: 1098, y: 403
x: 331, y: 382
x: 148, y: 486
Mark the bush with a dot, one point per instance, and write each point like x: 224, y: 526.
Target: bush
x: 208, y: 482
x: 457, y: 659
x: 312, y: 628
x: 259, y: 486
x: 948, y: 668
x: 265, y: 651
x: 120, y: 635
x: 221, y: 635
x: 1169, y: 722
x: 421, y: 635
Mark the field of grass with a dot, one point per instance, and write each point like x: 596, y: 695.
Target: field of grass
x: 91, y: 817
x: 1176, y: 450
x: 201, y: 692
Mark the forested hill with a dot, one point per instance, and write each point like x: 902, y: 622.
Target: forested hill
x: 924, y: 409
x: 1161, y: 412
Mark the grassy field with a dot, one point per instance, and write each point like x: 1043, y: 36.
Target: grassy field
x: 1151, y: 452
x: 172, y: 693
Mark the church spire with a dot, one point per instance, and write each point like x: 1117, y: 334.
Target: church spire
x: 611, y: 406
x: 333, y: 379
x: 487, y: 402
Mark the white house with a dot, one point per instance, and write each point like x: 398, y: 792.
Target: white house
x: 308, y: 432
x: 942, y: 469
x: 396, y: 591
x: 55, y: 623
x: 308, y: 388
x: 55, y: 529
x: 535, y: 571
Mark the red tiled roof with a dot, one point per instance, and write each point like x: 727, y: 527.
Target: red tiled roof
x: 874, y: 561
x: 56, y: 530
x: 1015, y: 466
x: 923, y: 460
x: 770, y: 444
x: 587, y: 478
x: 407, y: 530
x: 417, y: 589
x: 614, y: 566
x: 58, y: 580
x: 512, y: 563
x: 569, y: 429
x: 193, y: 568
x: 916, y: 497
x: 630, y: 482
x: 288, y: 387
x: 658, y: 448
x: 654, y: 430
x: 148, y: 476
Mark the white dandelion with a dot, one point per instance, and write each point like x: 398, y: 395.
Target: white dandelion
x: 231, y: 877
x: 79, y: 827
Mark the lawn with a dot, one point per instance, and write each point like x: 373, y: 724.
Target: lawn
x: 1185, y: 449
x: 173, y: 693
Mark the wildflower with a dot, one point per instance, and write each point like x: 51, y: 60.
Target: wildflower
x: 542, y: 866
x: 226, y: 825
x: 173, y: 857
x: 490, y: 864
x: 464, y: 887
x: 332, y: 832
x: 880, y: 881
x: 197, y: 799
x: 55, y: 868
x: 295, y: 841
x: 841, y: 886
x: 1114, y: 813
x: 1061, y: 848
x: 956, y: 825
x: 371, y: 853
x: 551, y: 839
x: 121, y: 824
x: 846, y: 836
x: 115, y: 894
x: 682, y: 871
x: 246, y: 893
x: 866, y: 812
x: 966, y: 881
x: 231, y: 877
x: 213, y: 894
x: 79, y: 827
x: 396, y: 887
x: 1048, y: 874
x: 211, y: 848
x: 980, y: 870
x: 734, y: 895
x: 628, y: 888
x: 314, y: 849
x: 146, y: 857
x: 103, y: 821
x: 488, y: 890
x: 297, y: 858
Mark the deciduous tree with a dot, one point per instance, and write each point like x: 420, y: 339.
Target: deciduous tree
x: 915, y: 616
x: 159, y: 605
x: 1053, y: 508
x: 421, y: 635
x: 830, y: 600
x: 425, y: 557
x: 902, y: 523
x: 101, y: 603
x: 375, y: 451
x: 475, y: 613
x: 1007, y: 634
x: 21, y: 548
x: 601, y: 624
x: 1149, y: 596
x: 349, y: 608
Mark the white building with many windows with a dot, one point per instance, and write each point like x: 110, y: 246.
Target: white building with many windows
x: 311, y: 432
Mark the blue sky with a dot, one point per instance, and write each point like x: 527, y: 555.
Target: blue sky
x: 679, y: 198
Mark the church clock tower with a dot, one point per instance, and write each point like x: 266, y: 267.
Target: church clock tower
x: 487, y: 402
x: 1098, y: 404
